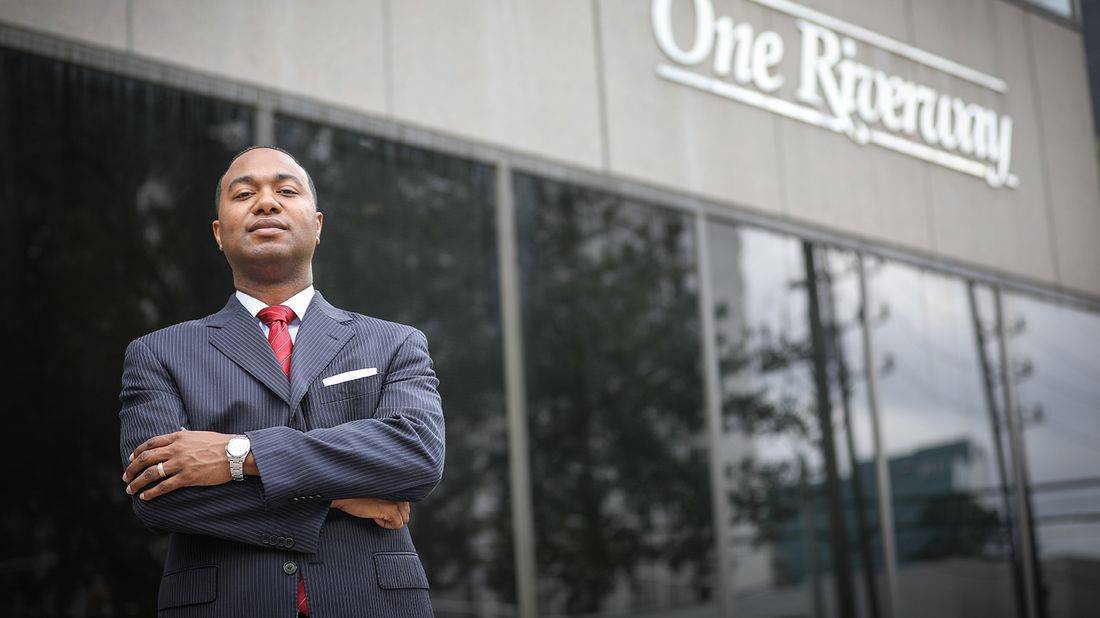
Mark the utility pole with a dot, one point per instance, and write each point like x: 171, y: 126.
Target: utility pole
x: 998, y: 442
x: 842, y: 575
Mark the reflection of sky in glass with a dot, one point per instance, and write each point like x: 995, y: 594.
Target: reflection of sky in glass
x: 933, y: 395
x: 1060, y: 400
x: 773, y: 301
x: 1061, y: 345
x: 1061, y: 7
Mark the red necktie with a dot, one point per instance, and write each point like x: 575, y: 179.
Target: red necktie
x: 277, y: 317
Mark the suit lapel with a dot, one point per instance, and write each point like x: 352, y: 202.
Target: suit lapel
x: 237, y: 335
x: 322, y: 334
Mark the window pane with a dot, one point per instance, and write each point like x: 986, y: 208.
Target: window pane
x: 942, y: 418
x: 1061, y: 7
x: 409, y: 236
x: 618, y: 444
x: 107, y: 191
x: 803, y: 527
x: 1058, y: 380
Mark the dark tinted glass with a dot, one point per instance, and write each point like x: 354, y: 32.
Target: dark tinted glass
x: 107, y: 196
x: 409, y: 236
x: 618, y: 449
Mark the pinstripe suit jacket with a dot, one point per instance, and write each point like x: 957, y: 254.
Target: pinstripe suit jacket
x: 237, y: 549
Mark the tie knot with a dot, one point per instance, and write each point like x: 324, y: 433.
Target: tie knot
x: 276, y: 313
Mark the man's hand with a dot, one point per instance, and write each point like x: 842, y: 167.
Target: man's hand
x: 187, y: 458
x: 389, y: 515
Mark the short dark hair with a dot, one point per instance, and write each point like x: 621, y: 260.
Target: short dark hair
x: 218, y: 188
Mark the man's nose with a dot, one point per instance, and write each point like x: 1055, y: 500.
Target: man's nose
x: 267, y: 203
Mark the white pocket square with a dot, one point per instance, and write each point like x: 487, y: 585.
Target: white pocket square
x: 349, y: 375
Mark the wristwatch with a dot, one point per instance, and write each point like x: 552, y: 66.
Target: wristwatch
x: 237, y: 451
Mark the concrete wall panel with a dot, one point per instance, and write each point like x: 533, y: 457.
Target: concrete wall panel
x: 834, y: 182
x: 328, y: 50
x: 985, y: 227
x: 100, y: 23
x: 1068, y: 147
x: 518, y: 74
x: 669, y: 134
x: 887, y: 17
x: 960, y: 30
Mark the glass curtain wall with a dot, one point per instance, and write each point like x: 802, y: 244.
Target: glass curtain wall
x: 804, y: 527
x: 945, y: 439
x: 107, y: 190
x: 1056, y: 370
x: 409, y: 236
x: 617, y: 430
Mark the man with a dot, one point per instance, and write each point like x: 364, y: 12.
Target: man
x: 280, y: 440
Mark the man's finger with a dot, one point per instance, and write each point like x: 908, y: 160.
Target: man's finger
x: 143, y: 461
x: 151, y: 443
x: 169, y: 484
x: 150, y: 475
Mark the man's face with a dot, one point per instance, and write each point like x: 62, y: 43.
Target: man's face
x: 266, y: 215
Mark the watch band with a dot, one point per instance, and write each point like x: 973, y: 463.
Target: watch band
x: 236, y: 468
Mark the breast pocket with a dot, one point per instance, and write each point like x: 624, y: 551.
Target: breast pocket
x: 348, y: 388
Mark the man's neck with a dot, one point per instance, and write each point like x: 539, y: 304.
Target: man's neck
x: 275, y: 293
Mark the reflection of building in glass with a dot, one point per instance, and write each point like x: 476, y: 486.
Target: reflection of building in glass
x: 939, y: 510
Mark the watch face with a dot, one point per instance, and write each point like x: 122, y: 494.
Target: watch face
x: 238, y: 447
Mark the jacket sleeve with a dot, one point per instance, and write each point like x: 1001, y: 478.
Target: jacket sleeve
x: 394, y: 452
x: 151, y: 406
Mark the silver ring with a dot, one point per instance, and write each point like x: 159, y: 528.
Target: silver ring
x: 160, y: 469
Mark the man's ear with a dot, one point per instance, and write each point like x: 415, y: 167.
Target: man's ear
x: 217, y: 233
x: 320, y: 224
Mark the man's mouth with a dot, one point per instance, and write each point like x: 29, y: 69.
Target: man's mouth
x: 267, y: 226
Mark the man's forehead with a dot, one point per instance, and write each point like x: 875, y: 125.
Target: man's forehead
x: 260, y: 162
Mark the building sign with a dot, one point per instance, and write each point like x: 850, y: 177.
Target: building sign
x: 838, y: 92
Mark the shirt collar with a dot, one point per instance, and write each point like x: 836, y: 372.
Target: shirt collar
x: 298, y: 303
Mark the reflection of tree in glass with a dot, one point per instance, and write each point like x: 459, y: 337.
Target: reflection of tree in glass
x: 767, y: 496
x: 409, y: 237
x: 618, y: 452
x: 955, y: 524
x: 778, y: 501
x: 109, y: 206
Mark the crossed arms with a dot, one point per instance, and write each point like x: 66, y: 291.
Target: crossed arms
x: 371, y: 467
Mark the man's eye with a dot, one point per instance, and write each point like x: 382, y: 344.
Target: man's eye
x: 242, y: 194
x: 288, y: 192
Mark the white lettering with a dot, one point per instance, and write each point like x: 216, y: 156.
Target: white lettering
x: 820, y: 53
x: 661, y: 16
x: 840, y: 93
x: 1003, y: 155
x: 767, y: 52
x: 733, y: 39
x: 894, y: 94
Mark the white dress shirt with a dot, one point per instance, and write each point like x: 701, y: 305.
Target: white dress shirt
x: 298, y: 303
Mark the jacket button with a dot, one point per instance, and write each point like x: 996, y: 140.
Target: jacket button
x: 266, y: 539
x: 289, y: 542
x: 289, y: 567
